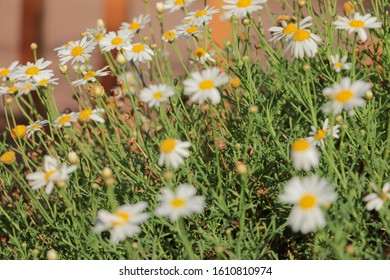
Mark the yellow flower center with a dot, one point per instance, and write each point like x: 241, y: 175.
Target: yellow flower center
x: 4, y: 72
x: 167, y: 146
x: 169, y: 35
x: 357, y: 23
x: 35, y: 126
x: 49, y: 174
x: 344, y: 96
x: 19, y: 131
x: 178, y: 202
x: 308, y: 201
x: 338, y: 65
x: 8, y: 157
x: 200, y: 52
x: 200, y: 13
x: 84, y: 115
x: 89, y: 75
x: 320, y: 134
x: 138, y: 48
x: 32, y: 71
x: 116, y: 41
x: 134, y: 25
x: 12, y: 89
x: 301, y: 35
x: 77, y: 51
x: 383, y: 196
x: 27, y: 88
x: 244, y: 3
x: 192, y: 29
x: 290, y: 28
x: 206, y: 84
x: 64, y: 119
x: 157, y: 95
x: 300, y: 145
x: 124, y: 218
x: 179, y: 2
x: 43, y: 82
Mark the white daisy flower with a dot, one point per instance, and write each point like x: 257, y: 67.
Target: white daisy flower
x: 51, y: 174
x: 35, y: 126
x: 318, y: 135
x: 304, y: 155
x: 169, y: 36
x: 136, y: 24
x: 339, y: 64
x: 96, y: 33
x: 375, y: 200
x: 307, y: 195
x: 202, y: 56
x: 138, y: 52
x: 345, y: 95
x: 280, y: 32
x: 45, y: 79
x: 241, y: 8
x: 9, y: 90
x: 154, y: 95
x: 90, y: 76
x: 302, y: 42
x: 201, y: 17
x: 188, y: 30
x: 31, y: 70
x: 124, y: 221
x: 181, y: 203
x: 87, y: 115
x: 5, y: 71
x: 25, y: 87
x: 76, y: 51
x: 174, y: 5
x: 172, y: 152
x: 113, y: 40
x: 203, y: 86
x: 357, y: 24
x: 65, y: 120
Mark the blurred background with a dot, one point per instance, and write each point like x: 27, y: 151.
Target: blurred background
x: 52, y: 23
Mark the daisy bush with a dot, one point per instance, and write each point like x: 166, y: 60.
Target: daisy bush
x: 273, y: 144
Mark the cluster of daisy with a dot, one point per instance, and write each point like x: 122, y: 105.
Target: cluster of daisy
x: 23, y: 79
x: 303, y: 42
x: 194, y: 24
x: 300, y: 39
x: 125, y: 221
x: 66, y: 119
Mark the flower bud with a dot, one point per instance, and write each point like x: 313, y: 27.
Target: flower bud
x: 369, y: 95
x: 160, y: 7
x: 253, y: 109
x: 73, y: 158
x: 235, y: 82
x: 121, y: 59
x: 106, y: 173
x: 241, y: 168
x: 33, y: 46
x: 349, y: 9
x: 301, y: 3
x: 63, y: 69
x: 100, y: 23
x: 8, y: 157
x: 97, y: 91
x: 52, y: 255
